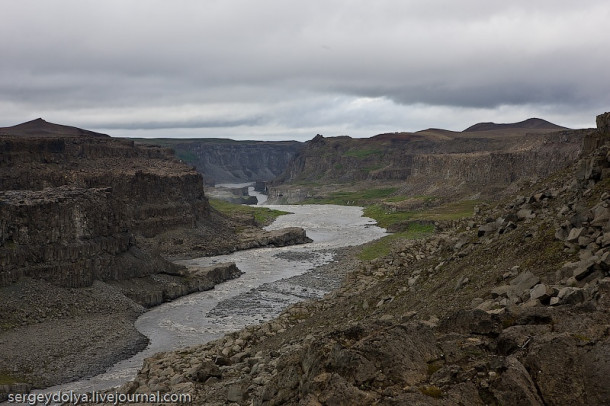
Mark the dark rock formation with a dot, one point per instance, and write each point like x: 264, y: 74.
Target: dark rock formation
x: 72, y: 203
x: 228, y: 161
x: 77, y: 206
x: 432, y: 160
x: 152, y: 291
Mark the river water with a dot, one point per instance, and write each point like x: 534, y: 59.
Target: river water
x: 258, y: 295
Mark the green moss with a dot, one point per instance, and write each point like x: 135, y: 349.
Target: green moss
x: 433, y: 367
x: 432, y: 391
x: 581, y: 337
x: 450, y: 211
x: 383, y: 246
x: 361, y: 197
x: 386, y: 217
x: 262, y: 215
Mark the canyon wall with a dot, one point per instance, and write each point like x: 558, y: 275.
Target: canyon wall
x: 73, y: 205
x: 229, y: 161
x: 427, y: 161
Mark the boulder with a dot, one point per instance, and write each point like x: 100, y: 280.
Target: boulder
x: 542, y: 292
x: 571, y: 295
x: 574, y: 234
x: 585, y: 268
x: 525, y: 280
x: 601, y: 215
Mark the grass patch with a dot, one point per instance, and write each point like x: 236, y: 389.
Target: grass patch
x: 432, y: 391
x: 262, y: 215
x: 361, y: 197
x: 362, y: 153
x: 449, y: 211
x: 383, y: 246
x: 386, y: 217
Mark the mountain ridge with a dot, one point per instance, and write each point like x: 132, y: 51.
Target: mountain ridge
x: 531, y: 123
x: 39, y: 127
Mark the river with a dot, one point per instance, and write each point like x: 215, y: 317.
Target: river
x: 258, y: 295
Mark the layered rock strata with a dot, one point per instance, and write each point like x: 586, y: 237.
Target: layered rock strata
x: 430, y: 162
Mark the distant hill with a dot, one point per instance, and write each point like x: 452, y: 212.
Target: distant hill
x: 530, y: 123
x: 40, y: 127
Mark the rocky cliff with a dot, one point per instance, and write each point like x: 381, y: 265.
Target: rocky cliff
x: 73, y: 203
x: 228, y: 161
x: 77, y: 206
x: 431, y: 160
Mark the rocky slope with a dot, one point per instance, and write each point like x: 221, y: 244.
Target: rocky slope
x: 431, y: 162
x: 509, y: 307
x: 228, y: 161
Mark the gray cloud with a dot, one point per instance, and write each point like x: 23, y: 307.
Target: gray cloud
x: 275, y: 68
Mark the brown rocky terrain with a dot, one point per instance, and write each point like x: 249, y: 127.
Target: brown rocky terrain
x: 510, y: 307
x: 81, y: 214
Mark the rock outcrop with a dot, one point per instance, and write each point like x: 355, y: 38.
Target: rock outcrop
x: 430, y: 162
x: 73, y: 202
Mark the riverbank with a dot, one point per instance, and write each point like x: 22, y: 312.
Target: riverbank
x: 50, y: 335
x: 81, y: 332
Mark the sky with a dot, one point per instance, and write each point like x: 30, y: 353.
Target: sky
x: 288, y: 70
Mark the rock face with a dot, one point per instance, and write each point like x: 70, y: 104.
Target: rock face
x: 427, y: 161
x: 73, y: 202
x: 228, y: 161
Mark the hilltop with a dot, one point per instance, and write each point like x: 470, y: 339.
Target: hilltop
x: 530, y: 123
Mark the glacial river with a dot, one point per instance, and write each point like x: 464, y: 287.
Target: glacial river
x: 232, y: 305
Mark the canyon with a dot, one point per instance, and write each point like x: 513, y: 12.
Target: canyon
x: 91, y: 227
x: 508, y: 306
x: 82, y: 210
x: 485, y: 159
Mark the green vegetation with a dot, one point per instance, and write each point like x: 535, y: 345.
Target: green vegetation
x: 383, y: 246
x: 385, y: 216
x: 361, y: 197
x: 432, y: 391
x: 262, y: 215
x: 362, y: 153
x: 449, y: 211
x: 7, y: 379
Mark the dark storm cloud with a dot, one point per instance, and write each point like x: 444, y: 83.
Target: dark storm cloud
x: 287, y: 67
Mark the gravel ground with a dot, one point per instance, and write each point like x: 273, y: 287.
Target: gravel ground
x: 77, y: 333
x: 268, y: 300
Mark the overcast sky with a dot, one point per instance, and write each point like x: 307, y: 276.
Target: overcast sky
x: 282, y: 69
